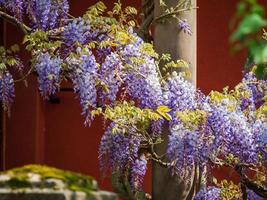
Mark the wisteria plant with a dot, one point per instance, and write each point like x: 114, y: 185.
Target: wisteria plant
x: 117, y: 75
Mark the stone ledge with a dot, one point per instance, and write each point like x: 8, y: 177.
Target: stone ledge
x: 47, y: 194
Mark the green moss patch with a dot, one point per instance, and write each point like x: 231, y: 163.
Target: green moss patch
x: 19, y: 179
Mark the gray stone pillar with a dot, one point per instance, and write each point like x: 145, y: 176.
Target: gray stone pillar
x: 170, y: 39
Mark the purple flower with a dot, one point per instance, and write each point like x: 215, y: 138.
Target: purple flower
x: 185, y: 27
x: 141, y: 80
x: 48, y: 70
x: 185, y: 149
x: 15, y: 6
x: 83, y: 75
x: 179, y: 94
x: 138, y: 171
x: 256, y: 90
x: 38, y: 11
x: 232, y: 134
x: 77, y: 31
x: 210, y: 193
x: 117, y: 150
x: 7, y: 89
x: 260, y: 133
x: 253, y: 196
x: 109, y: 74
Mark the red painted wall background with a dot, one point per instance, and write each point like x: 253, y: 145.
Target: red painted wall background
x: 53, y: 134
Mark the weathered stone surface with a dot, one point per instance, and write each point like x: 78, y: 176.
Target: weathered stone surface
x: 48, y: 194
x: 45, y: 183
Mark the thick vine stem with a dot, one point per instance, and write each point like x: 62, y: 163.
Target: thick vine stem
x: 250, y: 184
x: 245, y: 181
x: 24, y: 28
x: 244, y: 192
x: 147, y: 19
x: 161, y: 163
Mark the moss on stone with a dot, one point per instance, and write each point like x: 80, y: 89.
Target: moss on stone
x: 19, y: 178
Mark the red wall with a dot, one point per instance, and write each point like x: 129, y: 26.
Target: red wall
x: 54, y: 134
x: 217, y: 68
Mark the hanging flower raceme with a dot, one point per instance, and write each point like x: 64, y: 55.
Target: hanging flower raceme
x: 16, y: 7
x: 116, y: 150
x: 110, y: 75
x: 77, y: 31
x: 141, y: 79
x: 7, y: 89
x: 253, y: 196
x: 231, y: 132
x: 185, y: 150
x: 82, y: 73
x: 255, y: 90
x: 210, y: 193
x: 43, y: 14
x: 260, y: 133
x: 179, y: 94
x: 138, y: 171
x: 48, y: 70
x: 185, y: 26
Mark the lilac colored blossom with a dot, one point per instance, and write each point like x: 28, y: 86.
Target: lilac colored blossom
x: 253, y: 196
x: 256, y: 90
x: 210, y: 193
x: 48, y: 70
x: 138, y: 171
x: 83, y: 76
x: 260, y: 134
x: 77, y: 31
x: 179, y: 94
x: 39, y: 13
x: 145, y: 86
x: 14, y: 6
x: 7, y: 89
x: 54, y: 15
x: 117, y: 150
x: 185, y: 26
x: 185, y: 149
x: 58, y: 12
x: 109, y: 74
x: 102, y: 52
x: 157, y: 127
x: 142, y: 81
x: 64, y: 8
x: 232, y: 134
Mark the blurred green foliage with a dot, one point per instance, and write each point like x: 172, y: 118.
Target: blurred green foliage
x: 250, y: 21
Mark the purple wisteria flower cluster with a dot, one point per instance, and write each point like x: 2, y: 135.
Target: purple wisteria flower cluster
x: 48, y: 70
x: 44, y: 14
x: 210, y: 193
x: 103, y: 60
x: 77, y: 31
x: 83, y: 76
x: 7, y: 89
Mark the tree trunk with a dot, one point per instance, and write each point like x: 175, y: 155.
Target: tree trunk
x: 168, y: 38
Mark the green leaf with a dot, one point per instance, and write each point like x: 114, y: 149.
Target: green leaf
x: 117, y: 8
x: 250, y: 24
x: 101, y: 6
x: 258, y: 51
x: 162, y: 3
x: 163, y: 111
x: 260, y: 71
x: 258, y: 9
x: 11, y: 61
x: 130, y: 10
x: 2, y: 66
x: 241, y: 8
x: 14, y: 48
